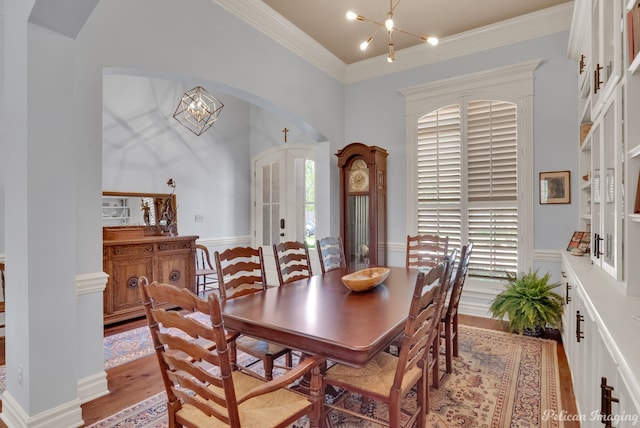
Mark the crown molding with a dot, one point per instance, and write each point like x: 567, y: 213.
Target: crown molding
x: 537, y: 24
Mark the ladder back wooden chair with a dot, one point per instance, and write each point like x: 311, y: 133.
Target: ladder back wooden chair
x: 202, y: 387
x: 450, y: 312
x: 331, y: 254
x: 388, y: 378
x: 425, y: 251
x: 241, y: 272
x: 205, y: 272
x: 434, y: 360
x: 292, y: 261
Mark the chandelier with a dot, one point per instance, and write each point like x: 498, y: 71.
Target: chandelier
x: 198, y: 110
x: 390, y: 27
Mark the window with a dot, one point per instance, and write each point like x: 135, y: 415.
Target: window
x: 470, y: 165
x: 467, y: 181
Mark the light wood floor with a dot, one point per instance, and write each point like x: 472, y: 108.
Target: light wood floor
x: 135, y: 381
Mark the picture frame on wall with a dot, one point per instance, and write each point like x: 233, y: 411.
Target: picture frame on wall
x: 555, y: 187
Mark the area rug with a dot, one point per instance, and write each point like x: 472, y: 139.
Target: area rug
x: 499, y: 380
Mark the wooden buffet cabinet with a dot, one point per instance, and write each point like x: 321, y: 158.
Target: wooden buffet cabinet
x: 167, y: 259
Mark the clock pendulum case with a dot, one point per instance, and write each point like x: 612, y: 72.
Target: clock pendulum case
x: 363, y: 204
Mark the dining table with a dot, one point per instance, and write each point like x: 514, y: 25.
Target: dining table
x: 319, y: 315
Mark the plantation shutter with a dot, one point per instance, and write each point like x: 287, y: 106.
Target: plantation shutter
x: 439, y: 174
x: 467, y: 181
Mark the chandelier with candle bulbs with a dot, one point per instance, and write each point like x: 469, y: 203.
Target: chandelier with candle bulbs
x: 390, y: 27
x: 198, y: 110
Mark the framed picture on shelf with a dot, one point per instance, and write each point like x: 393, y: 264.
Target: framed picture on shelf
x: 576, y: 238
x: 555, y: 187
x: 580, y: 243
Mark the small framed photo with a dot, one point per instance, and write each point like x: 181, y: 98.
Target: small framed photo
x: 555, y: 187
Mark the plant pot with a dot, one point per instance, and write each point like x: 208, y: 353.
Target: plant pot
x: 533, y: 332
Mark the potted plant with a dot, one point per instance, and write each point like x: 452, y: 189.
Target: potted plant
x: 529, y: 302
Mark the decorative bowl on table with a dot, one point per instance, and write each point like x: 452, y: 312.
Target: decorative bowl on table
x: 365, y: 279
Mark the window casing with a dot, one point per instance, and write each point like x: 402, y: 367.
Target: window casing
x: 459, y: 188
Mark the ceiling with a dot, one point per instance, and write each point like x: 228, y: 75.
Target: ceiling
x: 325, y: 21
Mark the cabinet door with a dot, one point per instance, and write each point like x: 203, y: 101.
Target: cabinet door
x: 568, y: 317
x: 586, y: 386
x: 606, y: 44
x: 123, y: 290
x: 175, y: 264
x: 611, y: 202
x: 174, y: 269
x: 607, y: 152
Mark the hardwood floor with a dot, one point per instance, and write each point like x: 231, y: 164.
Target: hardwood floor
x: 140, y: 379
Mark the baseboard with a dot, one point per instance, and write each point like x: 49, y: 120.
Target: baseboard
x: 64, y: 416
x: 92, y: 387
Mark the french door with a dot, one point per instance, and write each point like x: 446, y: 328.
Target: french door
x: 284, y: 195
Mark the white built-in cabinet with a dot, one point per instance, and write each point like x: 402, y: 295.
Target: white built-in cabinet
x: 600, y: 338
x: 609, y: 150
x: 601, y: 323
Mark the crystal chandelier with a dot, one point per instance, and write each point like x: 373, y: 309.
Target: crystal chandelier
x: 198, y: 110
x: 390, y: 27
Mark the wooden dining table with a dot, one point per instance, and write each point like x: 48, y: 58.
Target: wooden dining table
x: 321, y: 316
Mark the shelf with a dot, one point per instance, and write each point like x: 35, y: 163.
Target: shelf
x: 586, y: 145
x: 635, y: 152
x: 634, y: 218
x: 586, y: 185
x: 634, y: 65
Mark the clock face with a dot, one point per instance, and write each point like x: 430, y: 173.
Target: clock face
x: 359, y: 180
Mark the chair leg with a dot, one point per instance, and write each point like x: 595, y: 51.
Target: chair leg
x: 268, y: 367
x: 448, y: 345
x: 455, y: 335
x: 436, y: 360
x: 233, y: 355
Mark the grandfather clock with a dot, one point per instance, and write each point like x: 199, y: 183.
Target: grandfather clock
x: 363, y: 204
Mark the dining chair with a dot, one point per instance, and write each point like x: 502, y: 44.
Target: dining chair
x: 292, y: 261
x: 449, y: 318
x: 331, y: 253
x: 205, y: 272
x: 201, y: 385
x: 434, y: 358
x: 425, y: 251
x: 241, y: 272
x: 388, y: 378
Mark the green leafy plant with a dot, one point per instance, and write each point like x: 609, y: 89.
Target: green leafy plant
x: 529, y: 302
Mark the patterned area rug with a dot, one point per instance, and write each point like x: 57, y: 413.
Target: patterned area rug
x: 499, y: 380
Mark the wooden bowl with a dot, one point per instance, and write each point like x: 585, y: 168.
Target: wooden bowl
x: 365, y: 279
